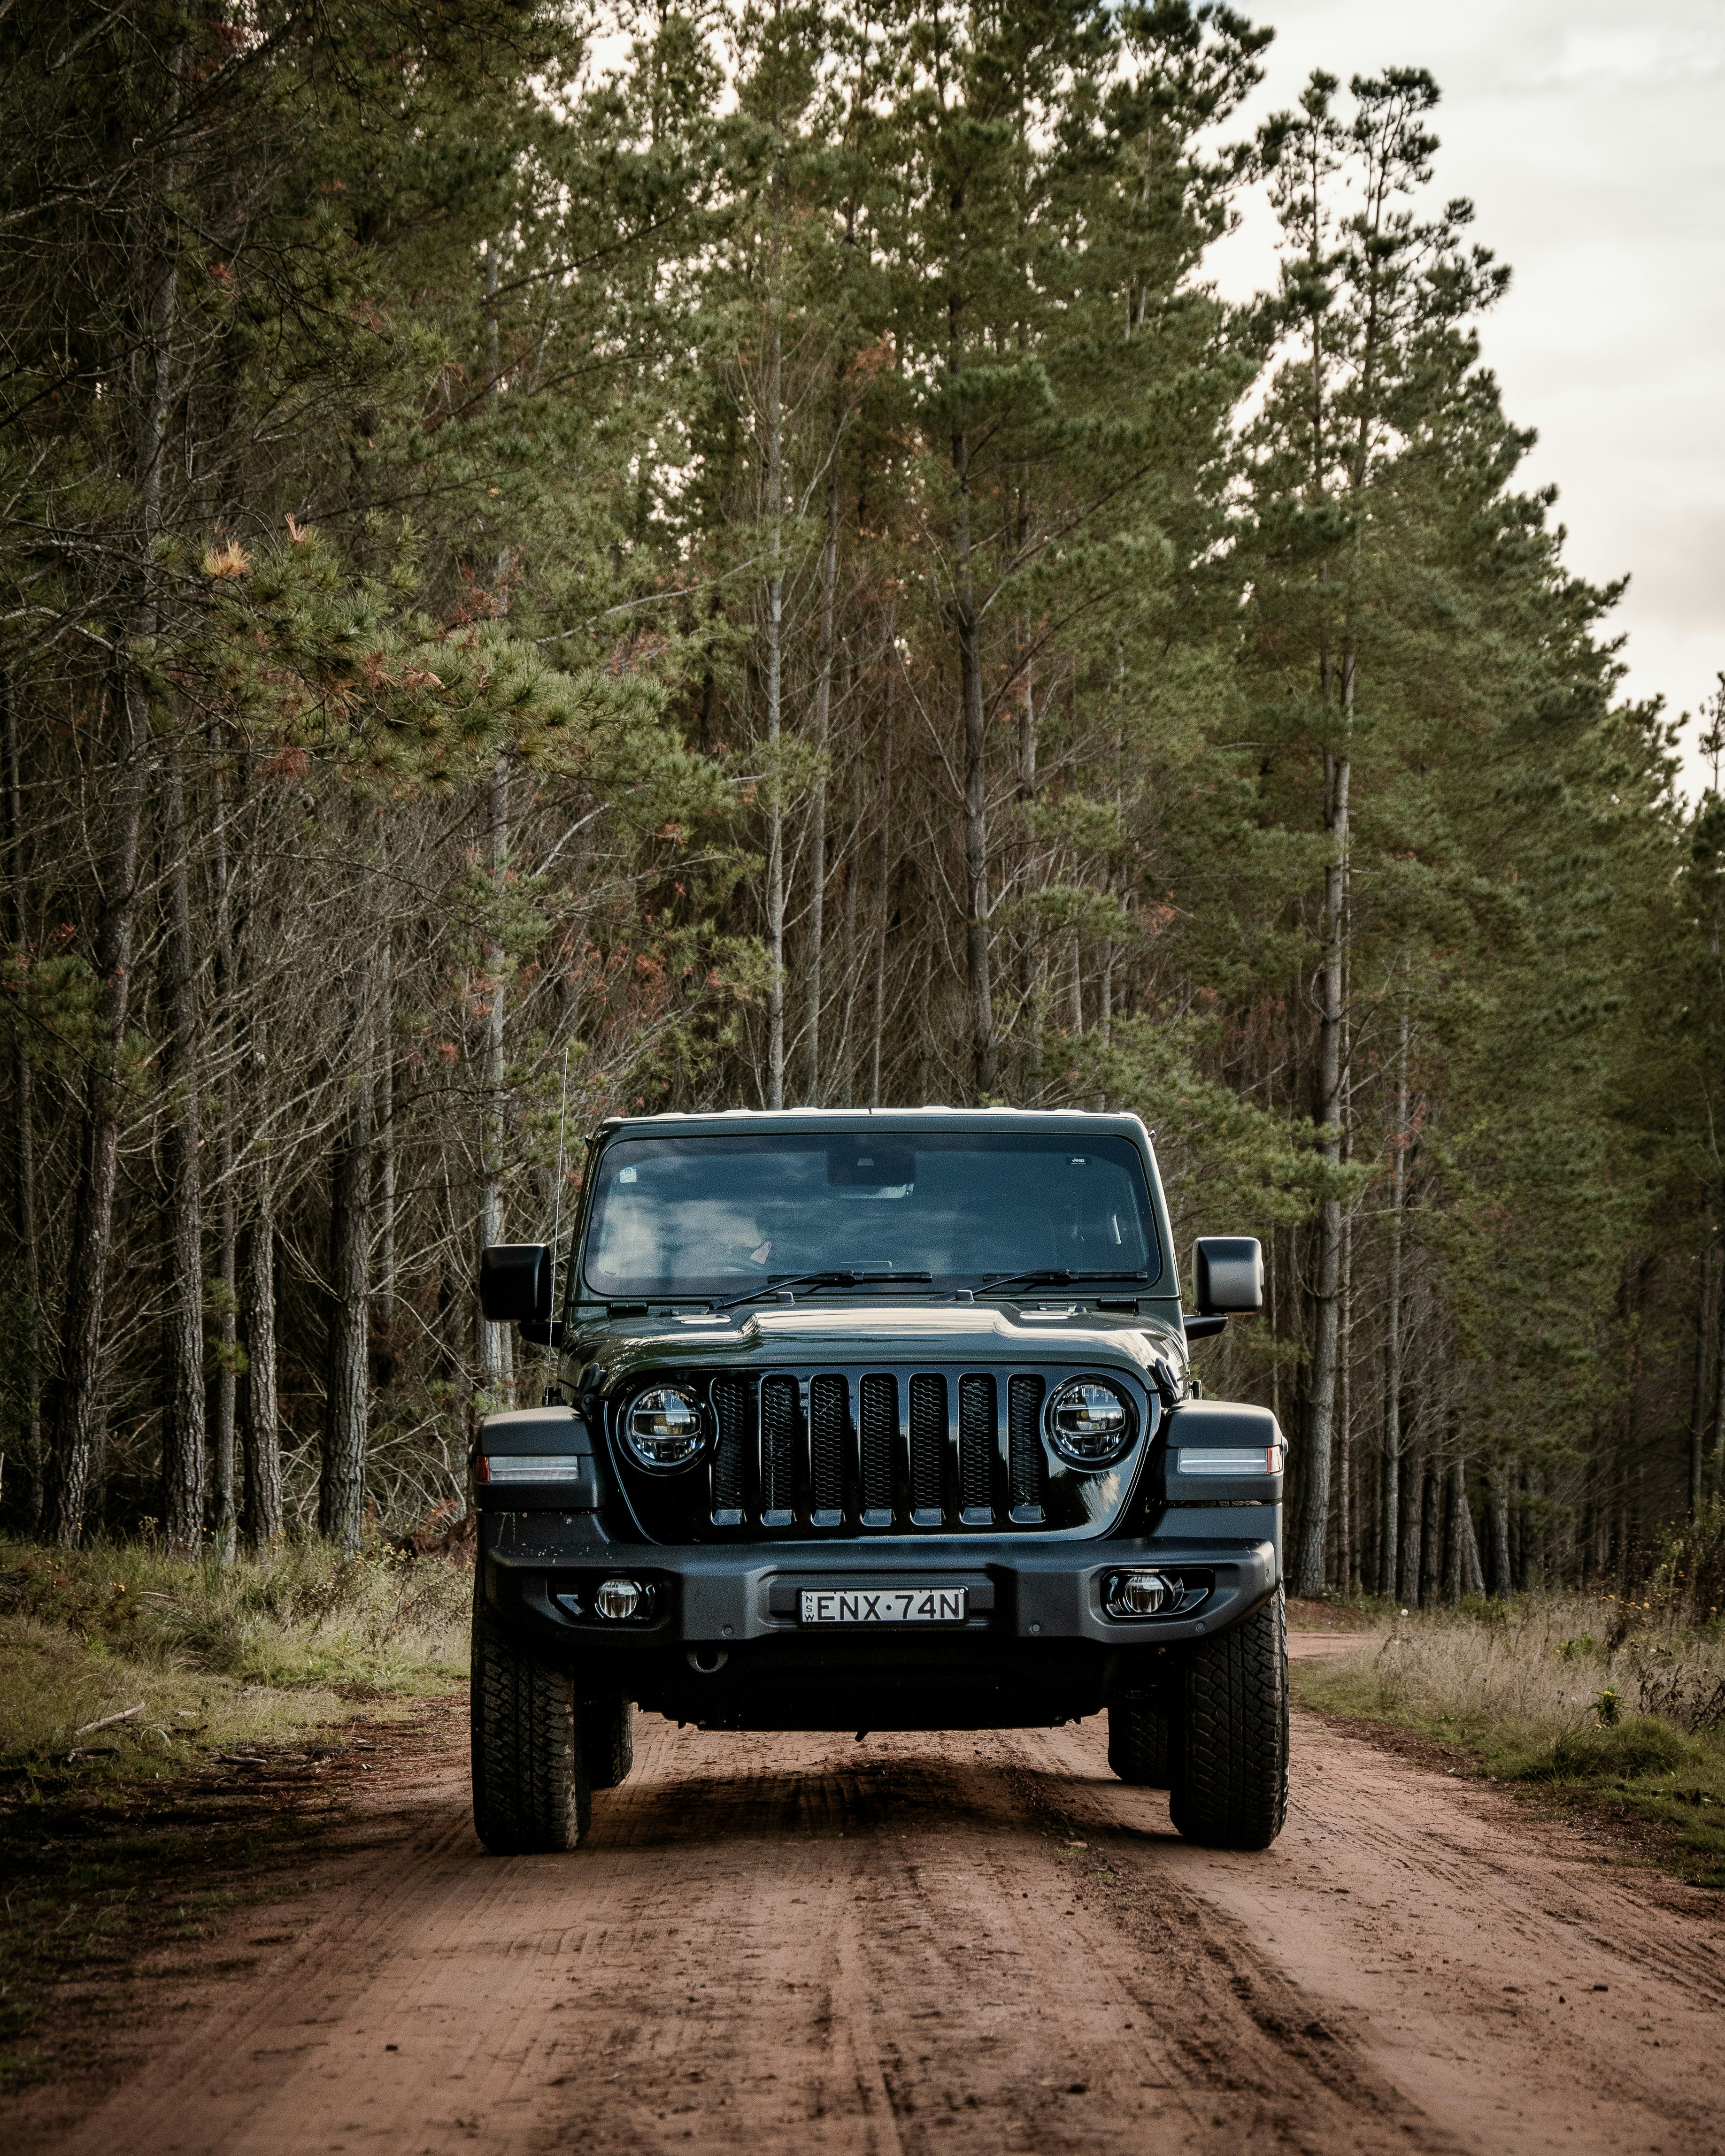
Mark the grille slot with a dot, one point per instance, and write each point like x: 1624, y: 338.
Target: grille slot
x: 781, y: 1441
x: 976, y: 1450
x: 732, y: 1406
x: 828, y: 1427
x: 880, y: 1449
x: 928, y: 1449
x: 1025, y: 1448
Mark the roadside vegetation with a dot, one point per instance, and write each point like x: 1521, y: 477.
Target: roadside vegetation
x: 1613, y: 1699
x: 121, y: 1664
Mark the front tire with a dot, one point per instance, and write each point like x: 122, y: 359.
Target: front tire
x: 1230, y: 1779
x: 607, y: 1740
x: 530, y: 1791
x: 1139, y: 1742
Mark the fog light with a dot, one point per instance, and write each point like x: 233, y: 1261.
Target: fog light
x: 1140, y: 1594
x: 620, y: 1598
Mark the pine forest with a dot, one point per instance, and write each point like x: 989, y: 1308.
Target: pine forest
x: 558, y: 564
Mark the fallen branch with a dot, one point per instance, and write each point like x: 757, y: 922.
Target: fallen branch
x: 125, y: 1714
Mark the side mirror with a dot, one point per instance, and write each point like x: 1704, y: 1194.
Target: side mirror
x: 1228, y: 1274
x: 515, y: 1283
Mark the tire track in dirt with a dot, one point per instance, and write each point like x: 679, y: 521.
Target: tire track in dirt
x: 806, y: 1944
x: 1509, y: 1981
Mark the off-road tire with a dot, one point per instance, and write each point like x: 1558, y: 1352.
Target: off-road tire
x: 607, y: 1740
x: 1230, y: 1769
x: 530, y: 1792
x: 1140, y: 1742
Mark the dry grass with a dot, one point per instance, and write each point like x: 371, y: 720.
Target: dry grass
x: 216, y: 1660
x: 1544, y: 1667
x: 1614, y: 1701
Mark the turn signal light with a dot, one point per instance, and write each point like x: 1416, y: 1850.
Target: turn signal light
x: 525, y: 1467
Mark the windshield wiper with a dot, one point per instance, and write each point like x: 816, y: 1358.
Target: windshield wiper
x: 1045, y: 1276
x: 789, y: 1284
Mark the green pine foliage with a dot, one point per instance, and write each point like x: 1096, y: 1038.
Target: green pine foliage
x: 687, y: 557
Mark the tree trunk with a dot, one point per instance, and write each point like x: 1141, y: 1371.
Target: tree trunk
x: 815, y: 1090
x: 1457, y: 1569
x: 184, y: 1431
x: 494, y: 1340
x: 1473, y: 1572
x: 1533, y: 1533
x: 260, y: 1423
x: 1390, y: 1583
x: 223, y: 1389
x: 1309, y: 1570
x: 1033, y: 963
x: 385, y: 1154
x: 1431, y: 1549
x: 984, y: 1060
x: 844, y: 1060
x: 79, y: 1417
x: 883, y: 907
x: 983, y: 1057
x: 1719, y: 1392
x: 341, y: 1502
x: 28, y: 1346
x: 773, y: 481
x: 1498, y: 1484
x: 1389, y: 1500
x: 1412, y: 1530
x: 1347, y: 1557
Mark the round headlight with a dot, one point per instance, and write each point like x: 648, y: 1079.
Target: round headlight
x: 1089, y: 1422
x: 662, y: 1427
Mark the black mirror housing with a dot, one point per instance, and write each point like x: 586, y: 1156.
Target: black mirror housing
x: 1228, y: 1274
x: 515, y: 1283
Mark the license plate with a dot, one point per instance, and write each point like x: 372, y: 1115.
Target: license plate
x: 884, y: 1605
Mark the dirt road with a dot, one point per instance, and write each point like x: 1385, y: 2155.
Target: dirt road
x: 946, y: 1944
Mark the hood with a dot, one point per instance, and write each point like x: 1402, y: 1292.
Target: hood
x: 889, y: 1332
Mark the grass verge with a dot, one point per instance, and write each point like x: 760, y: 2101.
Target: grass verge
x: 1608, y: 1704
x: 170, y: 1734
x: 120, y: 1665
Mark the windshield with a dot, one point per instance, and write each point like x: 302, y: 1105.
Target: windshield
x: 703, y: 1216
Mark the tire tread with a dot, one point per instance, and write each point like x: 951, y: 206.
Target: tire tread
x: 1140, y: 1742
x: 530, y: 1789
x: 1230, y: 1781
x: 607, y: 1740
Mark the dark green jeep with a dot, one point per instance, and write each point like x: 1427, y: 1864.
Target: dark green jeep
x: 877, y: 1421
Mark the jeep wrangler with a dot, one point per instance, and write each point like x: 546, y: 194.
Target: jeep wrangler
x: 877, y: 1421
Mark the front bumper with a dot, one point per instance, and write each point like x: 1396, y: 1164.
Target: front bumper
x: 540, y: 1569
x: 720, y: 1643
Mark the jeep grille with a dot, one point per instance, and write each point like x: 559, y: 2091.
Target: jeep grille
x: 858, y: 1451
x: 921, y: 1452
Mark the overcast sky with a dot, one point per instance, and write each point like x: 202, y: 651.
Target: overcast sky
x: 1591, y: 136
